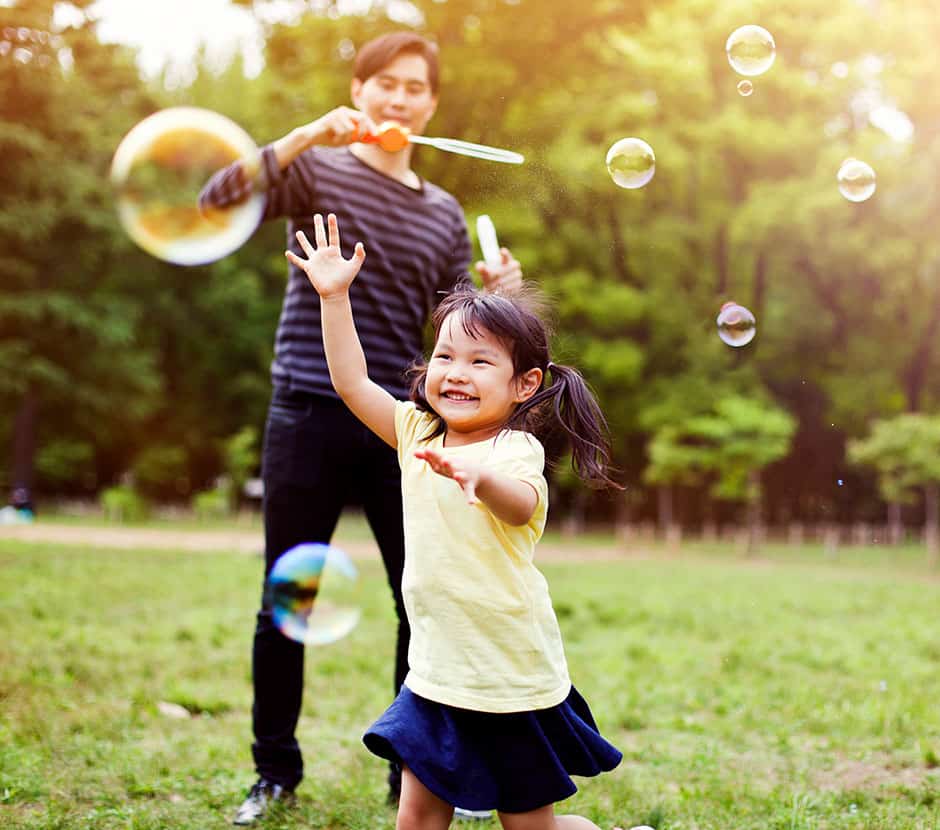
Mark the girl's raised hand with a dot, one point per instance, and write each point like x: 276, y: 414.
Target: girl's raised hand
x: 465, y: 473
x: 325, y: 267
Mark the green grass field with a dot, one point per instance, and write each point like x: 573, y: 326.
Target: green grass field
x: 788, y: 693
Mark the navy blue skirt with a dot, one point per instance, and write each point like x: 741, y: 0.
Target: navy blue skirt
x: 513, y: 762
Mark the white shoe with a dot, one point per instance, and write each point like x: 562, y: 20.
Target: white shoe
x: 260, y: 797
x: 472, y: 815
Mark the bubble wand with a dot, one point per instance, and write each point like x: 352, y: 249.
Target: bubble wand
x: 486, y: 233
x: 393, y: 137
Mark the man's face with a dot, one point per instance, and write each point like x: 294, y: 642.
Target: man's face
x: 398, y: 92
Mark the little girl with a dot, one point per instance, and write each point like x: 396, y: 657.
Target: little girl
x: 487, y: 715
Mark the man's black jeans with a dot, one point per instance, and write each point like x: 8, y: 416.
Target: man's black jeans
x: 317, y: 458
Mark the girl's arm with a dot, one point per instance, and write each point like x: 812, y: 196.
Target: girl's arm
x: 331, y: 276
x: 511, y: 500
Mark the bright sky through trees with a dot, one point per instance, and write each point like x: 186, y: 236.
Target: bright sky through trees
x: 170, y: 32
x: 167, y: 34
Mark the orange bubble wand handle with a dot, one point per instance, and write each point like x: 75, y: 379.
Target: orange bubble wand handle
x: 390, y: 136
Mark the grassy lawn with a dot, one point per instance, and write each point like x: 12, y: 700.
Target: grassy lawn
x: 793, y: 692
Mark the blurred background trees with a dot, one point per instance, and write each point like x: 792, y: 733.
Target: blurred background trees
x: 112, y: 362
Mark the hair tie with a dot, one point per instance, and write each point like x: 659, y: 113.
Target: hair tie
x: 549, y: 366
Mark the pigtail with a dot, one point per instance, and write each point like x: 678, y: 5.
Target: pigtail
x: 563, y: 408
x: 574, y: 409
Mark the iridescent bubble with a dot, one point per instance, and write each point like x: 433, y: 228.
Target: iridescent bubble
x: 312, y: 593
x: 745, y: 88
x: 631, y: 163
x: 158, y: 171
x: 856, y: 180
x: 751, y: 50
x: 736, y: 325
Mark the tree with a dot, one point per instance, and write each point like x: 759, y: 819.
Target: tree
x: 68, y: 325
x: 905, y: 453
x: 727, y: 447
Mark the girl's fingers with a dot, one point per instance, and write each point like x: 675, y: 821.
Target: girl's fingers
x: 294, y: 259
x: 359, y: 253
x: 318, y: 232
x: 333, y: 230
x: 468, y: 487
x: 305, y: 243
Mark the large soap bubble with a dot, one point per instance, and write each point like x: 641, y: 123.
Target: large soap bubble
x: 751, y: 50
x: 158, y: 171
x: 312, y: 594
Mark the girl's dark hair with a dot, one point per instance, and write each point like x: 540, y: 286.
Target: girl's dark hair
x: 563, y: 406
x: 378, y: 53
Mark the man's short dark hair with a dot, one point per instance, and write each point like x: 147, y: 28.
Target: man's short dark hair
x: 375, y: 55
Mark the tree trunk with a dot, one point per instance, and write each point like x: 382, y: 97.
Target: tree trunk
x: 895, y: 530
x: 622, y: 527
x: 931, y: 497
x: 753, y: 514
x: 664, y: 510
x: 24, y: 450
x: 573, y: 524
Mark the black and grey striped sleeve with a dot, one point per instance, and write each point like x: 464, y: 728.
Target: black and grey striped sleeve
x: 288, y: 192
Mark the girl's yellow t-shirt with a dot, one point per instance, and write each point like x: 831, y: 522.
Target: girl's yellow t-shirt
x: 484, y: 635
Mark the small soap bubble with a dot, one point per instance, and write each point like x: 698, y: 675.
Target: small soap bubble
x: 736, y: 325
x: 856, y: 180
x: 631, y: 163
x: 312, y: 594
x: 751, y: 50
x: 158, y: 172
x: 839, y: 482
x: 745, y: 88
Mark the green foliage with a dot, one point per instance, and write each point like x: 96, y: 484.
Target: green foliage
x: 241, y: 458
x: 125, y: 353
x: 726, y: 446
x: 123, y: 504
x: 215, y: 503
x: 64, y: 462
x: 161, y: 470
x: 905, y: 453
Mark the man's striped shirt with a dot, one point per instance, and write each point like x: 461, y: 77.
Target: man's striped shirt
x: 417, y: 247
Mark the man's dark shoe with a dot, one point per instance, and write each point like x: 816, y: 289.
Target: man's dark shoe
x: 260, y: 797
x: 394, y: 785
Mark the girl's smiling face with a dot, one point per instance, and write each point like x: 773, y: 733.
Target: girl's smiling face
x: 470, y: 382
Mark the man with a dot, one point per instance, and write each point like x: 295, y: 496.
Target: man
x: 317, y: 456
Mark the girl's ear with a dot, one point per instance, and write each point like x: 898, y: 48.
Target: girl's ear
x: 527, y: 384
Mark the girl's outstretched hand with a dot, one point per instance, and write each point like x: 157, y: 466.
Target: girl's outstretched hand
x: 465, y: 473
x: 325, y: 267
